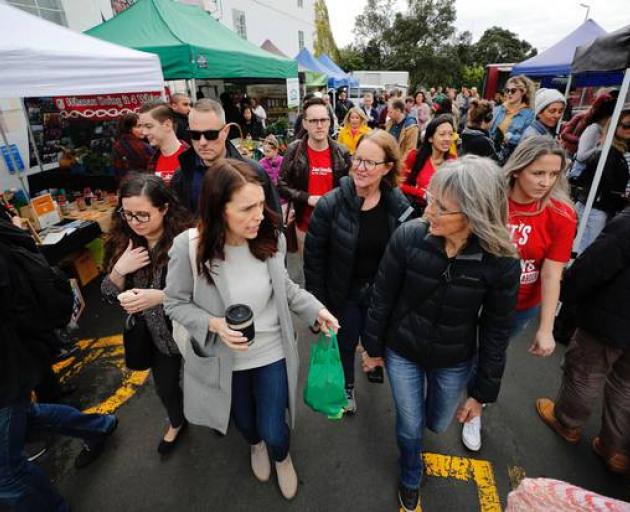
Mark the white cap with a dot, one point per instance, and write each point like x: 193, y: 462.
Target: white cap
x: 545, y: 97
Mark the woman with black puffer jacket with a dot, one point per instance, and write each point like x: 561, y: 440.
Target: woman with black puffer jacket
x: 444, y: 296
x: 347, y: 236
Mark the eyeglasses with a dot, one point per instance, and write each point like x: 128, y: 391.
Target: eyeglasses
x: 209, y: 135
x: 511, y: 90
x: 368, y: 165
x: 140, y: 217
x: 314, y: 121
x: 440, y: 211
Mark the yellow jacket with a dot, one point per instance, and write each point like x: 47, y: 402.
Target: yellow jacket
x: 346, y: 138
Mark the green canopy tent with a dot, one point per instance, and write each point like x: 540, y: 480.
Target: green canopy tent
x: 191, y: 44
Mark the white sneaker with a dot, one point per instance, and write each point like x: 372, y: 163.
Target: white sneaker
x: 261, y: 467
x: 471, y: 434
x: 351, y: 407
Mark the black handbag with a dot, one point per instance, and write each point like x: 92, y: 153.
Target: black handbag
x: 138, y: 342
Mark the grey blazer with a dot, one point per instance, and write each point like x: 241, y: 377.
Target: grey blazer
x: 208, y: 362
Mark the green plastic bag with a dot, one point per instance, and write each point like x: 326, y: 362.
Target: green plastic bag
x: 325, y: 386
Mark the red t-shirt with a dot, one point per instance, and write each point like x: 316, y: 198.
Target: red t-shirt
x: 166, y: 166
x: 320, y: 179
x: 547, y: 235
x: 422, y: 180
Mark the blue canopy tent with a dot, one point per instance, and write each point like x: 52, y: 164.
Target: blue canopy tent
x: 556, y: 60
x: 345, y: 81
x: 306, y: 62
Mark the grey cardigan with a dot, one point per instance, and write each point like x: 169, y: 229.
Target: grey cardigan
x: 208, y: 362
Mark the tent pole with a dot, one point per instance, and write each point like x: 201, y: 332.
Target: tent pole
x: 193, y: 90
x: 32, y: 139
x: 614, y: 121
x: 566, y: 97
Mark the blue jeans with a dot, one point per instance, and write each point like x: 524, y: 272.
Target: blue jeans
x: 596, y: 221
x: 417, y: 406
x: 523, y: 318
x: 23, y: 484
x: 260, y: 398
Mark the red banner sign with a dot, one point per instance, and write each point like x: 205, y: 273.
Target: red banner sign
x: 103, y: 106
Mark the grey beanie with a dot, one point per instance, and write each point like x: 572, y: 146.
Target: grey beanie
x: 545, y: 97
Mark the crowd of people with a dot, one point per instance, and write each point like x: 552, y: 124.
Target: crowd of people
x: 434, y: 229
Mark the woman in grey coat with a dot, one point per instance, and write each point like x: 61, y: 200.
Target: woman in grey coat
x: 236, y: 256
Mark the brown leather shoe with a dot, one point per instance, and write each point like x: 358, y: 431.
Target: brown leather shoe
x: 615, y: 461
x: 545, y: 408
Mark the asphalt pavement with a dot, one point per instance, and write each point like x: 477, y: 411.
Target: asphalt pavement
x: 342, y: 465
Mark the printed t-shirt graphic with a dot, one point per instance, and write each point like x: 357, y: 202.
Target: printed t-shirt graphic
x: 547, y: 235
x: 320, y: 179
x: 167, y: 166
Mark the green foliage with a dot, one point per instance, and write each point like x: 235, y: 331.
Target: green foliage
x: 324, y: 41
x: 423, y: 40
x: 472, y: 76
x: 500, y: 45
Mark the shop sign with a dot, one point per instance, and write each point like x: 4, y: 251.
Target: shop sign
x: 103, y: 106
x: 293, y: 92
x: 12, y: 158
x: 202, y: 62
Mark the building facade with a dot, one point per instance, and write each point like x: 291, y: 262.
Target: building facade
x: 288, y: 24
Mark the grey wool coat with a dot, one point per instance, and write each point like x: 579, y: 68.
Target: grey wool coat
x: 208, y: 363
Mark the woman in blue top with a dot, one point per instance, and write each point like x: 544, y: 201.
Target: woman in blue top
x: 513, y: 117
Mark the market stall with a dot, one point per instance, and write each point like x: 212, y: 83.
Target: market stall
x: 600, y: 62
x: 195, y: 47
x: 60, y: 71
x: 79, y: 76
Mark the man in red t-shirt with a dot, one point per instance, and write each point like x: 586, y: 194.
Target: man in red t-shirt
x: 159, y: 124
x: 313, y: 165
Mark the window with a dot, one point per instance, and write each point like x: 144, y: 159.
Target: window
x: 300, y: 3
x: 238, y: 18
x: 300, y: 39
x: 50, y: 10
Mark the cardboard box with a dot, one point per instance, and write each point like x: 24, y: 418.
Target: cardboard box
x: 85, y: 267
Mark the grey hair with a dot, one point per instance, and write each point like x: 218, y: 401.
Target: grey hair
x: 209, y: 105
x: 477, y: 185
x: 525, y: 154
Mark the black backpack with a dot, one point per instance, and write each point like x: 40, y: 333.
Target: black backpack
x: 43, y: 295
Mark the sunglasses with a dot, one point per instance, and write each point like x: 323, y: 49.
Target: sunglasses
x: 625, y: 126
x: 511, y: 90
x: 209, y: 135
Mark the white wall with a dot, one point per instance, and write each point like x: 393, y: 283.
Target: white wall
x: 277, y: 20
x: 85, y: 14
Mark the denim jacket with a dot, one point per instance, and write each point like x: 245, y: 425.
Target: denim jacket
x: 521, y: 120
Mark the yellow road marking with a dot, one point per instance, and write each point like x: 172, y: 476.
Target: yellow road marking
x: 108, y: 351
x: 465, y: 469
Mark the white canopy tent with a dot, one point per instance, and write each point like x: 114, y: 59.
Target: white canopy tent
x: 40, y: 58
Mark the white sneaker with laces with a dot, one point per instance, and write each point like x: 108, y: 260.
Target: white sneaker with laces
x: 471, y: 434
x: 351, y: 408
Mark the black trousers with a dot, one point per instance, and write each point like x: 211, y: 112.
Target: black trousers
x: 166, y: 374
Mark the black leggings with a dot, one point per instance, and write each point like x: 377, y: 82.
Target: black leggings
x: 166, y: 374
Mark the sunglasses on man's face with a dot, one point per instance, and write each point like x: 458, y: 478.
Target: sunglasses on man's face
x: 511, y: 90
x: 209, y: 135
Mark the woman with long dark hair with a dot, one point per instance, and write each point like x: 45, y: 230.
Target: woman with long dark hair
x: 130, y: 152
x: 421, y: 164
x: 236, y: 256
x: 147, y: 219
